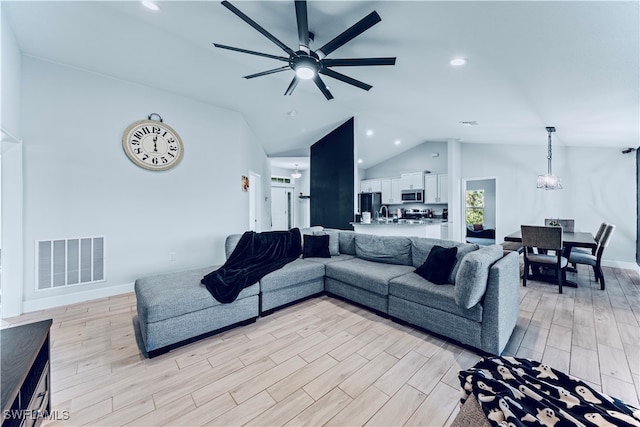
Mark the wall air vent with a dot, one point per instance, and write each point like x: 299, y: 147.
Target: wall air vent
x: 66, y: 262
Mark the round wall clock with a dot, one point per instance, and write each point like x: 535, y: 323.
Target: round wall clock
x: 152, y: 144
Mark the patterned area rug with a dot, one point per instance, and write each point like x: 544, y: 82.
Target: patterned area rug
x: 523, y: 392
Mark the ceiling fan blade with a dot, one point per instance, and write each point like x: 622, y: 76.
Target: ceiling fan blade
x: 303, y: 24
x: 346, y: 79
x: 350, y: 33
x: 323, y: 87
x: 251, y: 52
x: 264, y: 73
x: 358, y: 62
x: 292, y: 85
x: 255, y: 25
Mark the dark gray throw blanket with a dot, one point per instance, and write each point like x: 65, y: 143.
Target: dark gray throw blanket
x: 256, y: 255
x: 522, y: 392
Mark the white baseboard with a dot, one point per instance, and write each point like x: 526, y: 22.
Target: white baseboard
x: 622, y: 264
x: 60, y: 300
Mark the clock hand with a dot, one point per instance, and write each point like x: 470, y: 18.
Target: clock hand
x: 155, y: 146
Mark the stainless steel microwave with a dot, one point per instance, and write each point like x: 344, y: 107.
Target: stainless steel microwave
x: 412, y: 196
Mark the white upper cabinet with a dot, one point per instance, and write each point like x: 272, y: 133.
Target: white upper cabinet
x: 412, y: 181
x: 436, y: 188
x: 370, y: 186
x: 391, y: 190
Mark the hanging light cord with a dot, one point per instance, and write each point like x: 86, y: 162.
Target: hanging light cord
x: 549, y: 154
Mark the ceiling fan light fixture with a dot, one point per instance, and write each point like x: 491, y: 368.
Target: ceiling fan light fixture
x: 305, y: 72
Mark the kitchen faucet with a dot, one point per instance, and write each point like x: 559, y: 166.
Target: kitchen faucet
x: 386, y: 210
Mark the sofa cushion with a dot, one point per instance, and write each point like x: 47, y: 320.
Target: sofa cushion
x: 230, y: 243
x: 438, y: 265
x: 316, y: 246
x: 334, y: 240
x: 372, y: 276
x: 333, y: 259
x: 421, y: 246
x: 165, y: 296
x: 412, y: 287
x: 348, y: 242
x: 294, y: 273
x: 471, y: 278
x: 384, y: 249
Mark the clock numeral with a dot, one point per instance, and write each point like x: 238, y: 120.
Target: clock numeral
x: 156, y: 129
x: 135, y: 142
x: 171, y: 140
x: 145, y: 156
x: 137, y: 150
x: 154, y: 160
x: 164, y: 160
x: 169, y: 153
x: 173, y: 147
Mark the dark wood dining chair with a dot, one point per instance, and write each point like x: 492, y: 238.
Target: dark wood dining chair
x: 537, y: 241
x: 567, y: 225
x: 595, y: 260
x: 598, y: 239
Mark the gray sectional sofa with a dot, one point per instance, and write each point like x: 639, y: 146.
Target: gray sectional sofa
x: 479, y: 307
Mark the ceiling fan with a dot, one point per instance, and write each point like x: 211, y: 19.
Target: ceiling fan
x: 309, y: 64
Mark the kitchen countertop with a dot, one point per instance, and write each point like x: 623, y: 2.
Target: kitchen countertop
x: 401, y: 222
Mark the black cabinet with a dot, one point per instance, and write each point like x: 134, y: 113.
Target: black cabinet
x: 25, y: 374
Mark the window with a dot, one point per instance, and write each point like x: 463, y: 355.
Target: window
x: 475, y: 207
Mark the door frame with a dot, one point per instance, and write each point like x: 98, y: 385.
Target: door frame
x: 255, y: 201
x: 463, y: 204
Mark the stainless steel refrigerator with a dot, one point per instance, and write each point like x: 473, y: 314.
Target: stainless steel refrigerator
x: 369, y: 202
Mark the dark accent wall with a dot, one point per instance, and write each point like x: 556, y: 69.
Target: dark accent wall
x: 332, y: 171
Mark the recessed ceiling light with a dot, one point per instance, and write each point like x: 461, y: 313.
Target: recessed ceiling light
x: 150, y: 5
x: 456, y: 62
x: 359, y: 161
x: 369, y: 132
x: 397, y: 142
x: 469, y: 123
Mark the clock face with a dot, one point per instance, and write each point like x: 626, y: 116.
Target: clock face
x: 152, y: 145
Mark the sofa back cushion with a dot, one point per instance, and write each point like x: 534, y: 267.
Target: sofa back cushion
x: 334, y: 240
x: 421, y: 246
x: 386, y: 249
x: 471, y: 278
x: 347, y: 242
x: 230, y: 243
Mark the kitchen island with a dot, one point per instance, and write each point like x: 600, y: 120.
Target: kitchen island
x: 419, y: 228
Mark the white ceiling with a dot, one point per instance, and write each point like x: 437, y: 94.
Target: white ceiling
x: 569, y: 64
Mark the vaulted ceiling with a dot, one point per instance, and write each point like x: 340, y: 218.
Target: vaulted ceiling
x: 569, y: 64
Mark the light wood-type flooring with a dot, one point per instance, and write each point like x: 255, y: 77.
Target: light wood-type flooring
x: 326, y: 362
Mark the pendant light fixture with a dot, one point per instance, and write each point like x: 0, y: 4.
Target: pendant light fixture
x: 296, y: 174
x: 549, y: 181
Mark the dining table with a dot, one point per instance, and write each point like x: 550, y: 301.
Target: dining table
x: 570, y: 239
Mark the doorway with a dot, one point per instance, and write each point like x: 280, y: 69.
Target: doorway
x: 479, y: 203
x: 281, y: 208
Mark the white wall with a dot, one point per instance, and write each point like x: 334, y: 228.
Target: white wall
x: 78, y: 182
x: 414, y: 159
x: 11, y: 181
x: 598, y: 186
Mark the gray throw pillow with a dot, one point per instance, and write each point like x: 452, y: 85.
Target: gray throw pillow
x: 471, y: 278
